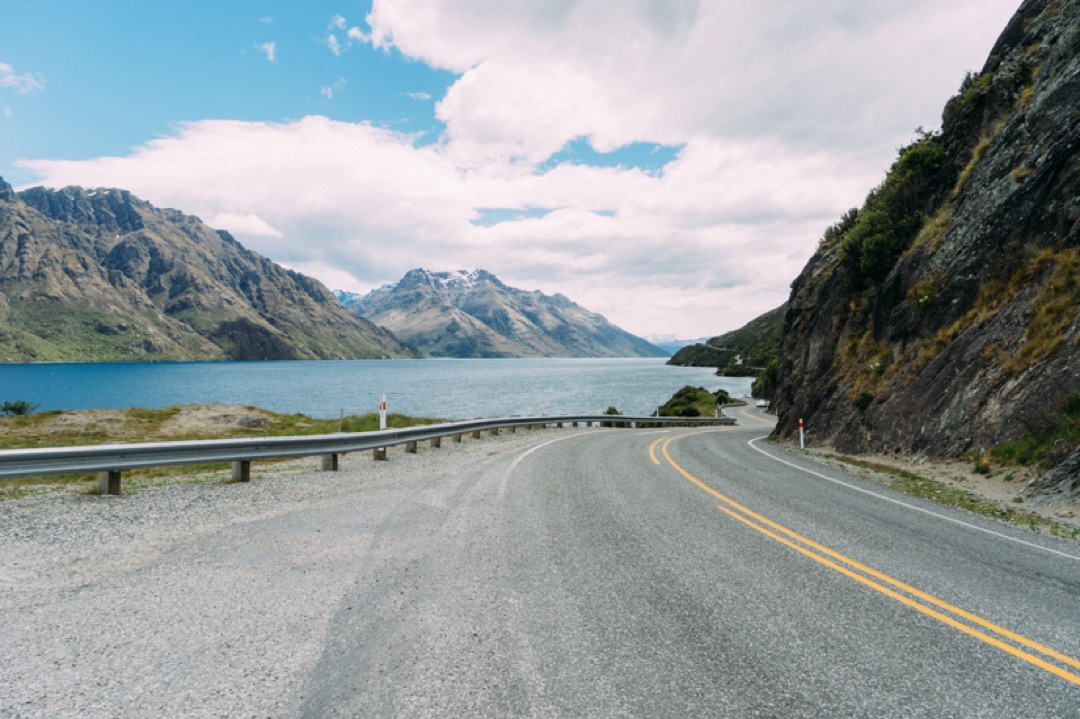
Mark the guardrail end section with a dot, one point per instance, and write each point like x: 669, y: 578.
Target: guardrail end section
x: 109, y: 482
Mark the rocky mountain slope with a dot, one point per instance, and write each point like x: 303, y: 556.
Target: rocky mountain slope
x: 941, y: 318
x: 473, y: 314
x: 92, y: 275
x: 752, y: 346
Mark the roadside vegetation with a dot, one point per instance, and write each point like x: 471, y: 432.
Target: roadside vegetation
x: 1047, y: 448
x: 913, y: 484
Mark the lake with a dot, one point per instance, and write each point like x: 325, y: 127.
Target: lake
x: 445, y: 388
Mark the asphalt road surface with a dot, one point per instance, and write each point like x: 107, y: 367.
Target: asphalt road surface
x: 588, y: 573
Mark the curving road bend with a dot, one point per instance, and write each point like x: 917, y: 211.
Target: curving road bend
x: 612, y: 573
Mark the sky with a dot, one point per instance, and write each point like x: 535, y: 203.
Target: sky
x: 670, y: 164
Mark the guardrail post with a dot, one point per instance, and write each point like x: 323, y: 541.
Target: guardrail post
x: 330, y: 462
x: 410, y: 447
x: 436, y: 442
x: 513, y: 429
x: 109, y: 482
x: 476, y: 434
x: 457, y: 437
x: 494, y: 431
x: 379, y: 453
x: 241, y: 470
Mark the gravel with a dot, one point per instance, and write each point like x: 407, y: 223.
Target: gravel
x: 194, y: 599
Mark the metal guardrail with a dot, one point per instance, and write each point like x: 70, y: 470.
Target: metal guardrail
x: 109, y: 460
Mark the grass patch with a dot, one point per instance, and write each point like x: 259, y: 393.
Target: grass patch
x: 1040, y: 449
x: 1053, y: 308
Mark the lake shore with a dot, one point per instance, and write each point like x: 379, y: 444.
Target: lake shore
x: 999, y: 495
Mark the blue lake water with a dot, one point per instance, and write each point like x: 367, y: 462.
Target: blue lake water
x: 450, y: 389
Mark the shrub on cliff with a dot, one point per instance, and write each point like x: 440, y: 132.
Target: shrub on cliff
x: 874, y: 238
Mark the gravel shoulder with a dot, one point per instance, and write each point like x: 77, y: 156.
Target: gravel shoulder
x: 199, y: 598
x: 1005, y: 489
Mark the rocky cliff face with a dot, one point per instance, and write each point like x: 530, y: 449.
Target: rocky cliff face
x: 942, y: 317
x: 91, y: 275
x: 463, y: 314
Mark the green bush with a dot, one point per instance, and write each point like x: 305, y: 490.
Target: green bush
x: 18, y: 407
x: 690, y: 402
x: 875, y: 237
x: 863, y: 400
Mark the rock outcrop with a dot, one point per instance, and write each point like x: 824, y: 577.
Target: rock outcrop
x: 95, y: 275
x: 941, y: 318
x: 473, y: 314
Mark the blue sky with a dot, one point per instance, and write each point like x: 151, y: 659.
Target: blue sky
x: 668, y: 163
x: 116, y: 74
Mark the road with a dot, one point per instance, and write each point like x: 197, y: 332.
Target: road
x: 612, y: 573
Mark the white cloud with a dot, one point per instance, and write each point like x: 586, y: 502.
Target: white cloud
x: 22, y: 84
x: 269, y: 50
x: 419, y: 96
x: 352, y: 35
x: 329, y: 91
x: 371, y: 204
x: 788, y: 115
x: 836, y: 72
x: 248, y: 224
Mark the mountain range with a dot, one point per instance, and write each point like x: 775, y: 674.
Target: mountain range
x: 473, y: 314
x: 98, y: 275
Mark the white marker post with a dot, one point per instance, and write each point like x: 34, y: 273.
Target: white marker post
x: 802, y: 438
x: 380, y: 452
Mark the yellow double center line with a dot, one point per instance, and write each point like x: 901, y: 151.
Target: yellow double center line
x: 957, y: 618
